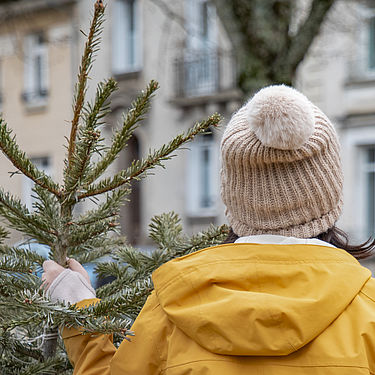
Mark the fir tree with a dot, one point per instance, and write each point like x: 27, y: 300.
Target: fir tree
x: 29, y: 342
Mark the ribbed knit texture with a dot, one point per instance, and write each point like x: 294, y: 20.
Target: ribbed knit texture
x: 294, y: 192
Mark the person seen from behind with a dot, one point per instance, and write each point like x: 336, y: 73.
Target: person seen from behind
x: 285, y: 295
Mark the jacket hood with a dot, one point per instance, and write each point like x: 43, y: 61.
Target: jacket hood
x: 258, y: 299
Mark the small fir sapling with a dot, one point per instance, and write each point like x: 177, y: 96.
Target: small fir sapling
x: 29, y: 342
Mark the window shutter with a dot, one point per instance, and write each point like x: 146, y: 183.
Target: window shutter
x: 202, y: 174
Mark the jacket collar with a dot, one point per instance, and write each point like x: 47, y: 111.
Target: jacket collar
x: 273, y: 239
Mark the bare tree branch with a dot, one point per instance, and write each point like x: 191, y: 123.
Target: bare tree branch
x: 170, y: 13
x: 230, y: 22
x: 301, y: 42
x: 259, y: 31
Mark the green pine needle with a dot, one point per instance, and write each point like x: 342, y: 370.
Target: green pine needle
x: 18, y: 158
x: 141, y: 168
x: 135, y: 114
x: 25, y: 309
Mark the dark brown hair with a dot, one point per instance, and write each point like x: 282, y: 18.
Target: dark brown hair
x: 336, y: 237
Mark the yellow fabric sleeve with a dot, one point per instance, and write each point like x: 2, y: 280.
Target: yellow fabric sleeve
x: 143, y: 354
x: 89, y: 354
x: 146, y: 352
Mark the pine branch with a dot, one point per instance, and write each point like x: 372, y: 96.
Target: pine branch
x: 3, y: 234
x: 91, y: 47
x: 21, y: 253
x: 95, y: 224
x: 13, y: 280
x: 77, y: 159
x: 12, y: 264
x: 132, y: 257
x: 108, y: 209
x: 18, y: 158
x: 88, y: 135
x: 128, y: 265
x: 92, y: 255
x: 166, y: 230
x: 115, y: 269
x: 47, y: 206
x: 9, y: 343
x: 21, y: 219
x: 51, y: 366
x: 100, y: 108
x: 79, y: 236
x: 95, y: 248
x: 25, y: 309
x: 131, y: 265
x: 126, y: 301
x: 30, y: 307
x: 135, y: 114
x: 211, y: 237
x: 89, y: 230
x: 139, y: 169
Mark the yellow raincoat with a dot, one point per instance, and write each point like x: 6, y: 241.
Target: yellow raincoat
x: 246, y: 309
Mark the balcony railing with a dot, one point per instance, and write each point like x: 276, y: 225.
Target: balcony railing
x: 202, y: 73
x: 34, y: 96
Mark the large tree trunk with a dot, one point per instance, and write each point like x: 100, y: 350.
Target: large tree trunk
x: 266, y: 52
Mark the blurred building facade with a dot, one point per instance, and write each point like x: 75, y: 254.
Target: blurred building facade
x: 36, y: 58
x: 338, y: 75
x: 183, y: 47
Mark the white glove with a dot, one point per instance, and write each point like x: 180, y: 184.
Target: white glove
x: 67, y: 284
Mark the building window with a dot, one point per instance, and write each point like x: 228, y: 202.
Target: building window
x: 126, y: 41
x: 201, y: 25
x: 1, y: 86
x: 42, y: 163
x: 202, y: 186
x: 198, y: 69
x: 371, y: 50
x: 368, y: 166
x: 35, y: 69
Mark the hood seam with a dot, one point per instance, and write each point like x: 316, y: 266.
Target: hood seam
x: 328, y: 365
x: 284, y: 263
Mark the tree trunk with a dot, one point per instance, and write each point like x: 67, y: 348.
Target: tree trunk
x: 266, y: 52
x: 60, y: 255
x: 50, y: 342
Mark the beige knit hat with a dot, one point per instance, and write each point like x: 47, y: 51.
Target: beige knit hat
x: 281, y: 169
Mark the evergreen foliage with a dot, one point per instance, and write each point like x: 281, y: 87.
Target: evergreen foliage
x: 29, y: 342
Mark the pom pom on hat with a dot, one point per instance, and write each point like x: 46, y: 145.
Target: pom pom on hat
x: 281, y: 117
